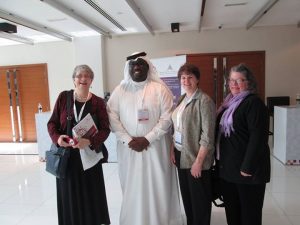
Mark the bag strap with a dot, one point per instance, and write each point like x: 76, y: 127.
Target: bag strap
x: 69, y: 118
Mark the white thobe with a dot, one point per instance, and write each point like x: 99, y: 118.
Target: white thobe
x: 148, y: 178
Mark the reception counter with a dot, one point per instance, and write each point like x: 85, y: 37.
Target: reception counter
x: 287, y: 134
x: 44, y: 141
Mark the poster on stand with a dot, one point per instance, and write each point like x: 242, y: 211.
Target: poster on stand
x: 168, y: 68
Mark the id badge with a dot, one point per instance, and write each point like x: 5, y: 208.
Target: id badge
x: 178, y: 137
x: 143, y: 115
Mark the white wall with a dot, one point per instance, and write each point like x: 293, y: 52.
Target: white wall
x: 88, y: 50
x: 61, y: 58
x: 282, y: 46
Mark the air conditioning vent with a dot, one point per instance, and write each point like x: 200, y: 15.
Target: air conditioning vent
x: 103, y: 13
x: 235, y: 4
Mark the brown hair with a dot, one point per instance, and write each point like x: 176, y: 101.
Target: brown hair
x: 189, y: 69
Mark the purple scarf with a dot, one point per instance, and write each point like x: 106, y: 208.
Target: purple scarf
x: 231, y: 102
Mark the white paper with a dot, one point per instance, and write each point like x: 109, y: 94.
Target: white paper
x: 89, y: 158
x: 86, y: 128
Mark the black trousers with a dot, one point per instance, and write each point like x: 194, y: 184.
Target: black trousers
x: 243, y: 203
x: 195, y: 193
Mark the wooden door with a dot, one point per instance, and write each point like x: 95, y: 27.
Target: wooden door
x: 205, y: 62
x: 5, y: 115
x: 29, y: 87
x: 214, y: 68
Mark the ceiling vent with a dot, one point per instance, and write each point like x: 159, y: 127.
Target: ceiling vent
x: 103, y: 13
x: 8, y: 28
x: 235, y: 4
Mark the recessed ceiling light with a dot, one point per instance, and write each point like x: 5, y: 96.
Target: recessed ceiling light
x: 57, y: 19
x: 235, y: 4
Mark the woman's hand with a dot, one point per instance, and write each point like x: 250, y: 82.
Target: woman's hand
x: 82, y: 143
x: 196, y: 169
x: 61, y: 141
x: 197, y: 165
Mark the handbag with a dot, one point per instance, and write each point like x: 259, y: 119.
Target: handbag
x: 57, y: 157
x: 57, y: 160
x: 216, y: 186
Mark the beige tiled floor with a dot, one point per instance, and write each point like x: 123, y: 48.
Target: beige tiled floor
x: 27, y: 192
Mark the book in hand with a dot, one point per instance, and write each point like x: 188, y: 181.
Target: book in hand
x: 85, y: 128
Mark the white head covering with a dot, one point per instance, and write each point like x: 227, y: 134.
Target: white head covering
x: 152, y: 75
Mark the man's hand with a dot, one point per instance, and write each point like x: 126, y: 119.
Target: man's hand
x: 172, y: 156
x: 138, y: 144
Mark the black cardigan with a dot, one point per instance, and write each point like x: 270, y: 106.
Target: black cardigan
x: 247, y: 147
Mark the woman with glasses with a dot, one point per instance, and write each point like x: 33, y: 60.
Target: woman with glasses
x: 242, y: 149
x: 81, y: 197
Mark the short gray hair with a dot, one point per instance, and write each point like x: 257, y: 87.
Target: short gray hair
x: 80, y: 68
x: 247, y: 73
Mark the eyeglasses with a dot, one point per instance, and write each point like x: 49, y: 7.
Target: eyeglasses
x: 138, y: 61
x: 79, y: 76
x: 237, y: 81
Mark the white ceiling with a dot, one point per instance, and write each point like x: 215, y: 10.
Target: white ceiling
x: 145, y: 16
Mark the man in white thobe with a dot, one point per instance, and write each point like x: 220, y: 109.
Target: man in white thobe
x: 140, y: 115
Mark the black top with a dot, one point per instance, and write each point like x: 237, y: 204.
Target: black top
x: 247, y: 147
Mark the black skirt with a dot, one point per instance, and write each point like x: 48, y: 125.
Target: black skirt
x: 81, y: 196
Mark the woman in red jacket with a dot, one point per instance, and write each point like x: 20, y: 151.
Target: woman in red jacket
x: 81, y: 197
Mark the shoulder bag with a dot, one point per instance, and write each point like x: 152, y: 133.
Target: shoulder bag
x: 57, y: 157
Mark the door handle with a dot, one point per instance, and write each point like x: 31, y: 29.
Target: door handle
x: 11, y: 105
x: 215, y: 78
x: 18, y: 104
x: 225, y: 84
